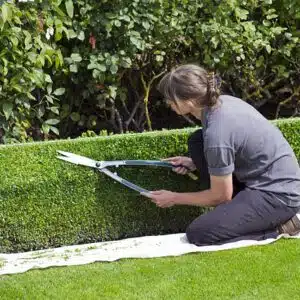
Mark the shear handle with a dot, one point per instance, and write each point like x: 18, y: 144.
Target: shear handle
x: 116, y: 163
x: 124, y: 181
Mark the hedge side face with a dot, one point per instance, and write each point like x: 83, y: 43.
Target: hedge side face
x: 45, y: 202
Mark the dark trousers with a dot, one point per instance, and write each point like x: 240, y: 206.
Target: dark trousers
x: 250, y: 215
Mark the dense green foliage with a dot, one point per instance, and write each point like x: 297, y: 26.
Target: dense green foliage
x: 27, y: 64
x: 45, y: 202
x: 76, y: 67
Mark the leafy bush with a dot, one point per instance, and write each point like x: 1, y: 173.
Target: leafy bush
x: 105, y: 58
x: 45, y: 202
x: 28, y: 96
x: 255, y: 46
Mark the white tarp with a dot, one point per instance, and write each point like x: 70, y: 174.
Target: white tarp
x: 141, y: 247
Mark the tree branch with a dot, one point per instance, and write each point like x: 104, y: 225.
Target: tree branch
x: 147, y: 88
x: 115, y: 115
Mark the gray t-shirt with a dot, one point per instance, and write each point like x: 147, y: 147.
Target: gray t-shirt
x: 239, y: 140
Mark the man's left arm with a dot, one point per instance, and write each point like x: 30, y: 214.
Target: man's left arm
x: 221, y: 190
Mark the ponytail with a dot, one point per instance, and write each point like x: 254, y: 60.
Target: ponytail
x: 213, y: 91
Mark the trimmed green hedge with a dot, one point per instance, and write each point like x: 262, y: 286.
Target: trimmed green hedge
x: 45, y: 202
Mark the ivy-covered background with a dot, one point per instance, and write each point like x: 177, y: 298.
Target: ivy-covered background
x: 81, y: 68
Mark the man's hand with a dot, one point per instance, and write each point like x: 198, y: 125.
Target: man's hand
x: 162, y: 198
x: 181, y: 160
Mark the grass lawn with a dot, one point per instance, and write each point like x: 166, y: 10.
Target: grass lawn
x: 264, y: 272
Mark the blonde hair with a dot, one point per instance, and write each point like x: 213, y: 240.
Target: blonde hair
x: 190, y: 82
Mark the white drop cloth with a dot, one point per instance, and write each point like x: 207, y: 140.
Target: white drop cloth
x: 141, y: 247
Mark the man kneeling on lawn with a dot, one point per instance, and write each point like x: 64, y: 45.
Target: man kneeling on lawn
x: 252, y: 173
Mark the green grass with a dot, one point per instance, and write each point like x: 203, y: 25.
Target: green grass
x: 265, y: 272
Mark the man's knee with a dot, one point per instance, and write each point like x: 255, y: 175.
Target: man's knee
x: 192, y: 235
x: 200, y: 233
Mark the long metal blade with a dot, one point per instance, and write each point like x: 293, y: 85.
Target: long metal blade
x: 77, y: 159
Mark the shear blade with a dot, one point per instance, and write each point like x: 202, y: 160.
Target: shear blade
x: 68, y: 159
x: 76, y: 159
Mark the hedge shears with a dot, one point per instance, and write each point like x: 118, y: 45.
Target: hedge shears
x: 102, y: 166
